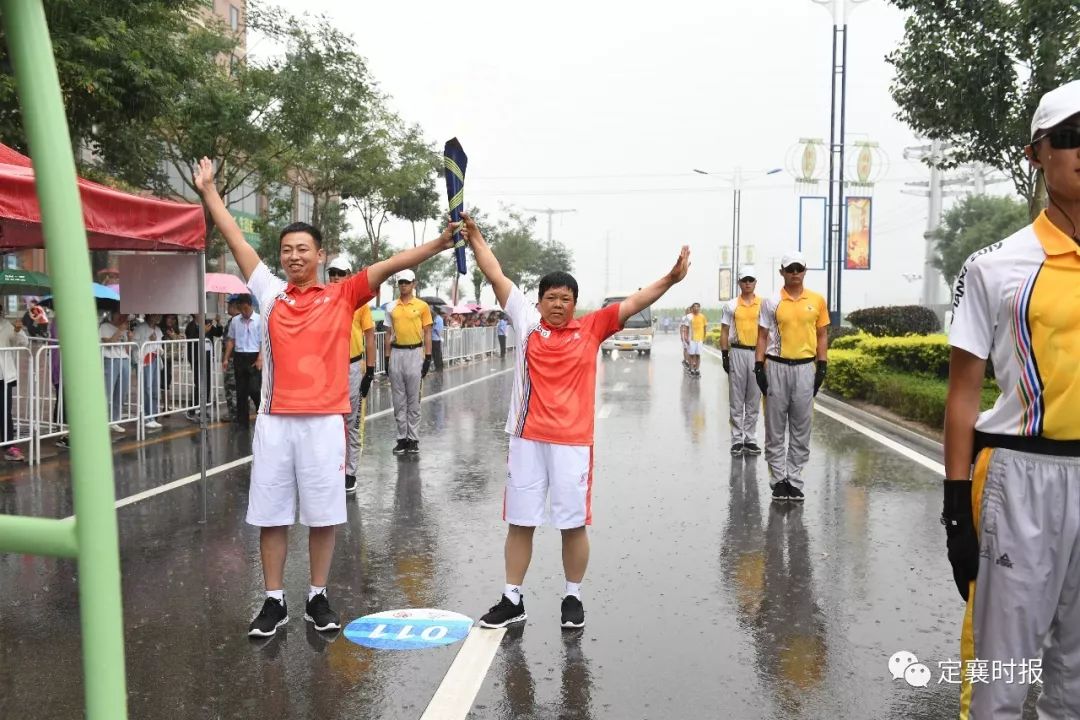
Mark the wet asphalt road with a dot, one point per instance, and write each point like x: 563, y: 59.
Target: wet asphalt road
x: 703, y: 598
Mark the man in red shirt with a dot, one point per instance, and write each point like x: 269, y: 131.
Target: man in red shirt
x: 299, y: 444
x: 551, y: 420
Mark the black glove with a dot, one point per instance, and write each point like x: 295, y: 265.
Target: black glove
x: 426, y: 366
x: 725, y: 360
x: 365, y: 384
x: 387, y: 366
x: 819, y: 375
x: 961, y: 538
x: 759, y: 375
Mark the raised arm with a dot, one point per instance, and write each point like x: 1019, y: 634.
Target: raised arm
x: 646, y: 296
x: 379, y: 272
x: 246, y: 257
x: 486, y: 261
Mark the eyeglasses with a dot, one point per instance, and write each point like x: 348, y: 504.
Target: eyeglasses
x: 795, y: 268
x: 1063, y: 137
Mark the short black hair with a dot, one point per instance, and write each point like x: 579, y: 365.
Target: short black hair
x: 304, y: 228
x: 558, y: 279
x: 244, y: 299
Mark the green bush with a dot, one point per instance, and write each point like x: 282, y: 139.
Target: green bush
x: 918, y: 354
x: 851, y: 373
x: 849, y: 341
x: 916, y: 398
x: 896, y: 320
x: 713, y: 337
x: 836, y: 332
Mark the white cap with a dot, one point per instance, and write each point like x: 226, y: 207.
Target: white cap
x: 747, y: 271
x: 340, y: 263
x: 793, y: 257
x: 1056, y: 106
x: 406, y: 276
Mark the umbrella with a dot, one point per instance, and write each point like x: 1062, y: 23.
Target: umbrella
x: 22, y: 282
x: 462, y: 309
x: 106, y: 298
x: 433, y: 300
x: 226, y: 284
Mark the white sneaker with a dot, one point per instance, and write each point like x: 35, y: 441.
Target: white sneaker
x: 152, y: 425
x: 116, y: 428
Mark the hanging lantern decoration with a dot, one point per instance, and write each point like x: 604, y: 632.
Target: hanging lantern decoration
x: 866, y: 164
x: 808, y: 163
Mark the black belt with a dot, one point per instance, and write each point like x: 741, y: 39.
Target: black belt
x: 245, y: 354
x: 788, y: 361
x: 406, y: 347
x: 1023, y: 443
x: 358, y: 358
x: 743, y: 347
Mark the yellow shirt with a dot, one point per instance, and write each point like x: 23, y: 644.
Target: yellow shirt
x: 793, y: 324
x: 697, y: 327
x: 742, y: 320
x: 361, y: 322
x: 409, y: 320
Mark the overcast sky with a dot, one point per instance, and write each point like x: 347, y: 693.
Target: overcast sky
x: 605, y: 108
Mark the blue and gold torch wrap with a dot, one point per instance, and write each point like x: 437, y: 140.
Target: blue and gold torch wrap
x: 455, y: 161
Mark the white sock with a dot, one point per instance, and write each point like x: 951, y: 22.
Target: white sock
x: 315, y: 591
x: 513, y: 593
x: 278, y: 595
x: 573, y: 589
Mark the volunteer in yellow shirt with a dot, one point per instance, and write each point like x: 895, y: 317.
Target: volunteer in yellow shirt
x: 408, y: 358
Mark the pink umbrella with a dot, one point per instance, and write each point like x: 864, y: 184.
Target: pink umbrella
x: 226, y: 284
x: 462, y: 309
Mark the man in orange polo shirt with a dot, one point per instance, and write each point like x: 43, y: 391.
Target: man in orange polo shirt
x: 551, y: 420
x: 790, y: 360
x: 299, y: 444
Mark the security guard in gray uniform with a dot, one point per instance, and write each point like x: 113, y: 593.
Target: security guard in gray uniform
x: 792, y: 335
x: 738, y: 340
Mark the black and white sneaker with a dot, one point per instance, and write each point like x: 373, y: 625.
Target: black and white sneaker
x: 573, y: 613
x: 751, y: 448
x: 350, y: 484
x: 780, y: 490
x: 503, y: 614
x: 795, y: 493
x: 401, y: 447
x: 413, y: 448
x: 273, y: 615
x: 63, y: 443
x: 318, y: 613
x: 738, y: 449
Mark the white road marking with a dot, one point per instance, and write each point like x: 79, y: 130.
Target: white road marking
x: 152, y: 492
x: 619, y: 387
x: 605, y: 411
x: 626, y: 369
x: 457, y: 691
x: 913, y: 455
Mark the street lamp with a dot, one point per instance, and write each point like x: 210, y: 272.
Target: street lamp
x: 736, y: 178
x: 835, y: 208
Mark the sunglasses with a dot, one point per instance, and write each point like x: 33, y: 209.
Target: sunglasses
x: 795, y: 268
x: 404, y: 282
x: 746, y: 279
x: 337, y: 273
x: 1064, y: 137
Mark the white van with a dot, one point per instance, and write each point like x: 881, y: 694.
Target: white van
x: 637, y: 334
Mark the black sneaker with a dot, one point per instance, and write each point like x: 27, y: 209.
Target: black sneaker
x: 780, y: 490
x: 401, y: 447
x: 737, y: 449
x: 63, y: 443
x: 751, y: 448
x: 318, y: 613
x: 350, y: 484
x: 795, y: 493
x: 573, y: 614
x: 413, y: 448
x: 273, y: 615
x: 504, y: 613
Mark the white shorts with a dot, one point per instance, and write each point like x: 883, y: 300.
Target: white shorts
x: 291, y: 453
x: 693, y: 347
x: 535, y: 470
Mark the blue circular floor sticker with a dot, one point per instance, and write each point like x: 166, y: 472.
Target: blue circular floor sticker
x: 408, y: 629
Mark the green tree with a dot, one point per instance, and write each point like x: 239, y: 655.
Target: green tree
x: 970, y: 72
x: 975, y: 222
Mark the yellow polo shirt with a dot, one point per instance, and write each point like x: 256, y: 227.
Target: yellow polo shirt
x: 409, y: 320
x: 742, y: 320
x: 361, y: 322
x: 697, y: 327
x: 793, y: 323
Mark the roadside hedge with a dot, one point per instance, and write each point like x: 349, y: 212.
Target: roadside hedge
x: 920, y: 354
x: 895, y: 320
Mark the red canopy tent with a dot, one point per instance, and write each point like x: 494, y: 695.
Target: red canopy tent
x: 114, y: 220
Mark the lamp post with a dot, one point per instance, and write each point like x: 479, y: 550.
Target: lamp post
x: 835, y: 208
x: 736, y: 178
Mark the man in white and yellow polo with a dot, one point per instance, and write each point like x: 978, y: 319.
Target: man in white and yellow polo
x: 738, y: 340
x: 408, y: 359
x: 790, y: 360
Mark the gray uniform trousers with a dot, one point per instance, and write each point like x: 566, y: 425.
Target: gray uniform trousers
x: 789, y: 409
x: 405, y: 367
x: 352, y: 425
x: 744, y: 396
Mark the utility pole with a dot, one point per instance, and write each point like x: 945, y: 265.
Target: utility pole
x: 550, y: 212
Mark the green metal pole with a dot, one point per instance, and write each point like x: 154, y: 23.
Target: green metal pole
x: 100, y: 604
x: 38, y: 536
